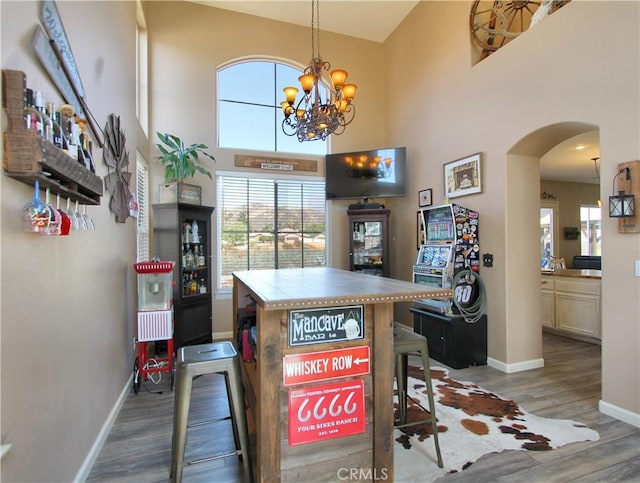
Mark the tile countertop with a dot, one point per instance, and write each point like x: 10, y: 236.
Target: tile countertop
x: 573, y: 272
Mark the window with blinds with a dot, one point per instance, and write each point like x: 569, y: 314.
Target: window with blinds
x: 268, y: 223
x: 143, y: 222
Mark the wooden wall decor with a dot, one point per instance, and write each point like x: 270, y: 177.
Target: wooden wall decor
x: 632, y: 186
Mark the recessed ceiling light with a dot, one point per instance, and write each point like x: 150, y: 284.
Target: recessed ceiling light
x: 580, y: 147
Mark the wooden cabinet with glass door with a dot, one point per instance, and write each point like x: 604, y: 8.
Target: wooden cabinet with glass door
x: 369, y: 241
x: 182, y: 233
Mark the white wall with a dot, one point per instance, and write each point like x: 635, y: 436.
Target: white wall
x: 68, y: 303
x: 554, y: 81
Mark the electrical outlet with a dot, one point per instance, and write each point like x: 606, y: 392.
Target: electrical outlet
x: 487, y: 260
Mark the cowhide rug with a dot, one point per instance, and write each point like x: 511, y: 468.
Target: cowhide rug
x: 471, y: 422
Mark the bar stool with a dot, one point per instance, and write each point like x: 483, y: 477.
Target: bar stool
x: 197, y: 360
x: 406, y: 341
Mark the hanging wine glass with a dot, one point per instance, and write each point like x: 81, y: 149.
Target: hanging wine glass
x: 35, y: 214
x: 55, y: 222
x: 72, y: 216
x: 81, y: 223
x: 87, y: 219
x: 65, y: 221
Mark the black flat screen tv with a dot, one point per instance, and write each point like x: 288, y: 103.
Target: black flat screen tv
x: 377, y: 173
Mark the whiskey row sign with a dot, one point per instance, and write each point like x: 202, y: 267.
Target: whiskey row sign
x: 323, y: 365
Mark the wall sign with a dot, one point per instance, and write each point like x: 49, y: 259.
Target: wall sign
x: 279, y: 164
x: 316, y: 326
x: 323, y: 365
x: 326, y: 412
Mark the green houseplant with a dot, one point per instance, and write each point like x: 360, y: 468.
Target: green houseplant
x: 180, y: 160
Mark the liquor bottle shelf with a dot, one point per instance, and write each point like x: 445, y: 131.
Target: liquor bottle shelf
x: 29, y: 158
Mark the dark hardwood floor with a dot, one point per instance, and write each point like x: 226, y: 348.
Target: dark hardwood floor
x: 138, y: 448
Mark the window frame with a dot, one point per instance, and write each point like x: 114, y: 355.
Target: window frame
x: 590, y: 248
x: 278, y: 96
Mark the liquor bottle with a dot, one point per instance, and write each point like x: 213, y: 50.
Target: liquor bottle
x: 48, y: 122
x: 194, y: 284
x: 83, y: 156
x: 202, y: 260
x: 29, y: 110
x: 186, y: 286
x: 38, y: 102
x: 55, y: 125
x: 195, y: 237
x: 203, y: 286
x: 190, y: 262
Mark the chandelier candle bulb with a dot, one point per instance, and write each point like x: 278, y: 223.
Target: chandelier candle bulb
x: 306, y: 81
x: 338, y: 77
x: 349, y: 91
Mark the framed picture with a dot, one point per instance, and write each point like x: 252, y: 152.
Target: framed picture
x: 424, y: 197
x: 463, y: 176
x: 420, y: 236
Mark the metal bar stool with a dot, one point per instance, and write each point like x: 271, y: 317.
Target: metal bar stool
x: 406, y: 341
x: 197, y: 360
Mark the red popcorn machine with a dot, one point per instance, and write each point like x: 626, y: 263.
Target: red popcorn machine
x: 155, y: 321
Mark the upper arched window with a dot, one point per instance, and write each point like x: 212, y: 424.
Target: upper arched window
x: 249, y: 112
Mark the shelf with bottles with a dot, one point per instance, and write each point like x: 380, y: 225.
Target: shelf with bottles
x: 30, y: 156
x: 193, y: 251
x: 193, y: 284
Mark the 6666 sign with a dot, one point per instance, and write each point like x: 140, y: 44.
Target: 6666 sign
x: 326, y: 412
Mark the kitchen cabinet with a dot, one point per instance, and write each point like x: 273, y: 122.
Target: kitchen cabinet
x: 369, y: 241
x: 452, y: 340
x: 182, y: 233
x: 548, y: 302
x: 571, y: 305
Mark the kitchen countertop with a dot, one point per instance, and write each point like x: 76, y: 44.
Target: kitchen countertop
x: 573, y: 272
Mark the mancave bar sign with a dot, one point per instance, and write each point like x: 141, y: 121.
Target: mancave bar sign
x: 335, y: 324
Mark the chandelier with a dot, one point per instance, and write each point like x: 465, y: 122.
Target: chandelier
x: 312, y: 118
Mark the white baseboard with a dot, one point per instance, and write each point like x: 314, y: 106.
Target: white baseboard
x: 623, y: 415
x: 222, y: 335
x: 515, y: 367
x: 92, y: 456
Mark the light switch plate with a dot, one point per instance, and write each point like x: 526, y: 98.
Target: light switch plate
x: 637, y: 268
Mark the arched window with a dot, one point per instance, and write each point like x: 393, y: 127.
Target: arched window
x: 249, y: 112
x: 265, y: 221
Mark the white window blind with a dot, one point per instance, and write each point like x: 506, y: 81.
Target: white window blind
x: 143, y: 221
x: 268, y: 223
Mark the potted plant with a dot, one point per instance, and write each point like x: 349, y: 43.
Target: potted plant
x: 180, y: 161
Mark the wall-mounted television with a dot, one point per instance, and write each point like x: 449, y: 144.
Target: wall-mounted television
x: 377, y: 173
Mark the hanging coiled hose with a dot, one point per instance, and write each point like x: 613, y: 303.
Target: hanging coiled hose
x: 474, y: 311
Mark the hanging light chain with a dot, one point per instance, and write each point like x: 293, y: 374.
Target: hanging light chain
x: 315, y: 28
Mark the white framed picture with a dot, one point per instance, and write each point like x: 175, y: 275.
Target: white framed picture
x: 463, y: 176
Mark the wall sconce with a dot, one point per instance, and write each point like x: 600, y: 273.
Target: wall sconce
x: 622, y: 205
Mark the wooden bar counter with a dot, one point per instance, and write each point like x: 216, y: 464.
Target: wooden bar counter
x: 320, y: 407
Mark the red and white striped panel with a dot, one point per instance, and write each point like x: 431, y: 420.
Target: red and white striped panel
x: 155, y: 325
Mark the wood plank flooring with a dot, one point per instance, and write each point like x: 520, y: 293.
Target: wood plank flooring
x: 138, y: 449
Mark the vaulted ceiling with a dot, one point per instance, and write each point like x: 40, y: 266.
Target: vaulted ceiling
x: 375, y: 20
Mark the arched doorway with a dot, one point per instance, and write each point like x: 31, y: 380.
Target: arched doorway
x: 522, y: 248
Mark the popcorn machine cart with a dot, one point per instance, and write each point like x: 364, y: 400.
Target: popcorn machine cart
x: 155, y: 320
